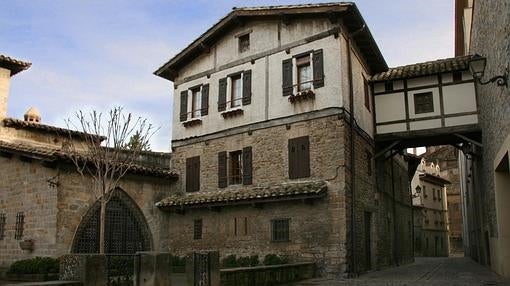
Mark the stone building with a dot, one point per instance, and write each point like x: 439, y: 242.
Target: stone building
x: 430, y: 211
x: 446, y: 157
x: 485, y: 168
x: 46, y: 208
x: 273, y: 135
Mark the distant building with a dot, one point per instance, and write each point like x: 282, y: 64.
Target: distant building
x: 430, y: 211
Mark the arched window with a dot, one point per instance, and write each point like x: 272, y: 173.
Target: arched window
x: 126, y: 230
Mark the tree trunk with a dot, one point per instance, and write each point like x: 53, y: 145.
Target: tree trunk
x: 102, y: 225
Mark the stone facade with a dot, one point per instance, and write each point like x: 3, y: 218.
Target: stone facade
x: 491, y: 24
x: 5, y: 76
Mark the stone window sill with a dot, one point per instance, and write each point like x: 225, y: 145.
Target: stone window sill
x: 232, y: 113
x: 192, y: 122
x: 302, y: 96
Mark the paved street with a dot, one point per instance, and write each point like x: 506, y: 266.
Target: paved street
x: 424, y: 271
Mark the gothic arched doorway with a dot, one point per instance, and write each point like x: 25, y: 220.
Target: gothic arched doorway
x: 126, y: 230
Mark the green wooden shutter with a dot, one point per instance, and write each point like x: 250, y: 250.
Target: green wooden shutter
x: 247, y: 87
x: 287, y: 77
x: 205, y: 100
x: 247, y: 166
x: 222, y: 169
x: 184, y: 105
x: 222, y: 94
x: 318, y: 69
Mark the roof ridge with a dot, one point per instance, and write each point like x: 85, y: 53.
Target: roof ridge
x: 293, y: 5
x: 432, y: 61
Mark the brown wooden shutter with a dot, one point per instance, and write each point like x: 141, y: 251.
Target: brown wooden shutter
x: 247, y: 166
x: 222, y: 94
x: 318, y: 69
x: 293, y: 159
x: 247, y: 87
x: 304, y: 157
x: 184, y: 105
x: 205, y: 100
x: 287, y: 77
x: 222, y: 169
x: 193, y: 174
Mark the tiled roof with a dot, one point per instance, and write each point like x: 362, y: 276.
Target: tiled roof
x: 246, y: 194
x: 15, y: 66
x: 54, y: 154
x: 345, y: 10
x: 17, y: 123
x: 425, y: 68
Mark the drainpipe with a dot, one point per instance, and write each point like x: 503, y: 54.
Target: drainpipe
x: 395, y: 240
x: 354, y: 265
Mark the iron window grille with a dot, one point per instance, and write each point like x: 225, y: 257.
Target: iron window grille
x: 20, y: 221
x: 197, y: 229
x: 2, y: 226
x: 280, y: 230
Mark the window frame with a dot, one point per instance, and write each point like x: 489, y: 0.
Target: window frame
x: 196, y: 96
x: 301, y: 62
x: 198, y: 226
x: 280, y: 230
x: 20, y: 226
x: 235, y: 179
x: 235, y: 102
x: 423, y: 102
x: 244, y: 42
x: 366, y: 90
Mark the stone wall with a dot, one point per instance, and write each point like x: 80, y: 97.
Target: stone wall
x: 317, y: 231
x: 491, y: 24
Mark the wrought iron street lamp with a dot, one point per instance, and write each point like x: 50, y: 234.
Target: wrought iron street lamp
x: 477, y: 68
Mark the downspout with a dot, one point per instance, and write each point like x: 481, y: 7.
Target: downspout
x: 354, y: 265
x: 395, y: 241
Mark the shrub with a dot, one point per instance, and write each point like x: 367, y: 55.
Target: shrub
x: 229, y: 262
x: 273, y: 259
x: 178, y: 261
x: 37, y: 265
x: 254, y: 260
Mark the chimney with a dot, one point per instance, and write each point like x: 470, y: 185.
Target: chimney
x: 8, y: 68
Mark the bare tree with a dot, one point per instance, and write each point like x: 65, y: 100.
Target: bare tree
x: 105, y: 154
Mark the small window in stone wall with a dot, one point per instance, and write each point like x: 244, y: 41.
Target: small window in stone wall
x: 423, y: 102
x: 20, y: 222
x: 280, y: 230
x: 240, y: 226
x: 197, y: 229
x: 2, y: 226
x: 244, y: 43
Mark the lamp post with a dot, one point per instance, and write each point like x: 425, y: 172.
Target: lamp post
x: 477, y: 68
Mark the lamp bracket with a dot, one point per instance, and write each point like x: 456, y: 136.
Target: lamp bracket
x: 501, y: 80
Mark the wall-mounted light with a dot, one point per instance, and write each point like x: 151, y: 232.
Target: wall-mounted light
x: 477, y: 68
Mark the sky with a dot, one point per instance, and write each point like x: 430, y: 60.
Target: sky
x: 98, y: 54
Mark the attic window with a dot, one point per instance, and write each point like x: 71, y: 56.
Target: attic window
x: 244, y: 43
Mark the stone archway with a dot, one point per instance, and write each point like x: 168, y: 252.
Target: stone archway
x: 126, y: 228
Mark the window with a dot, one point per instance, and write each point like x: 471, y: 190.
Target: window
x: 244, y: 43
x: 20, y: 222
x: 235, y: 170
x: 425, y: 192
x: 309, y: 69
x: 369, y: 162
x: 239, y: 90
x: 236, y: 92
x: 388, y: 86
x: 304, y: 73
x: 280, y: 230
x: 195, y: 103
x: 2, y: 226
x: 299, y: 157
x: 235, y: 167
x: 197, y: 229
x: 240, y: 226
x: 199, y: 102
x: 457, y: 76
x: 193, y: 174
x: 366, y: 89
x: 423, y: 102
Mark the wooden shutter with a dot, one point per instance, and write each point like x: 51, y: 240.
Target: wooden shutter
x: 304, y: 157
x: 299, y: 157
x: 222, y: 94
x: 287, y: 77
x: 184, y: 105
x: 247, y: 166
x: 205, y: 100
x: 193, y: 174
x: 293, y: 159
x: 318, y: 69
x: 222, y: 169
x: 247, y: 87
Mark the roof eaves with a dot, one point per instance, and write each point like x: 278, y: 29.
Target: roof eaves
x: 14, y: 65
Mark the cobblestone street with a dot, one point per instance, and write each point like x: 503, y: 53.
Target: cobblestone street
x: 424, y: 271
